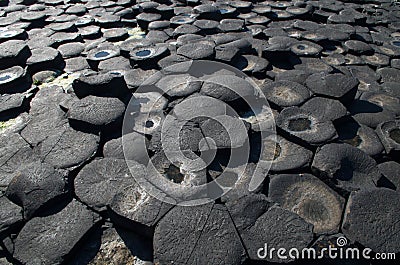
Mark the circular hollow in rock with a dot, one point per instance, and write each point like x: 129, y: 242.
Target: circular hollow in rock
x: 310, y: 198
x: 347, y: 165
x: 286, y: 93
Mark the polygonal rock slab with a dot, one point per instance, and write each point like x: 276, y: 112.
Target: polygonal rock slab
x: 35, y: 184
x: 68, y: 148
x: 135, y: 204
x: 278, y: 228
x: 96, y: 110
x: 193, y: 235
x: 219, y: 242
x: 227, y: 87
x: 14, y: 152
x: 370, y: 219
x: 47, y: 240
x: 349, y: 166
x: 310, y: 198
x: 176, y: 235
x: 10, y: 214
x: 338, y: 86
x: 99, y: 181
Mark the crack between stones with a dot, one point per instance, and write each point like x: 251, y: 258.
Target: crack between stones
x: 239, y: 235
x: 201, y: 233
x: 52, y: 148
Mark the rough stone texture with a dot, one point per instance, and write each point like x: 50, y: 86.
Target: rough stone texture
x: 282, y: 154
x: 110, y: 245
x: 310, y: 198
x: 219, y: 242
x: 35, y: 184
x: 10, y: 213
x: 227, y: 88
x: 206, y: 106
x: 47, y: 240
x: 247, y: 209
x: 324, y: 108
x: 391, y: 172
x: 196, y: 50
x: 183, y: 226
x: 96, y: 110
x: 349, y: 166
x: 286, y: 93
x: 11, y: 102
x: 360, y: 136
x: 98, y: 182
x: 210, y: 237
x: 226, y: 131
x: 370, y: 224
x: 14, y: 152
x: 301, y: 124
x: 68, y: 148
x: 179, y: 85
x: 130, y: 146
x: 333, y: 85
x: 135, y: 204
x: 277, y: 228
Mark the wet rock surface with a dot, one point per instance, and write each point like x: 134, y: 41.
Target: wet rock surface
x: 119, y: 119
